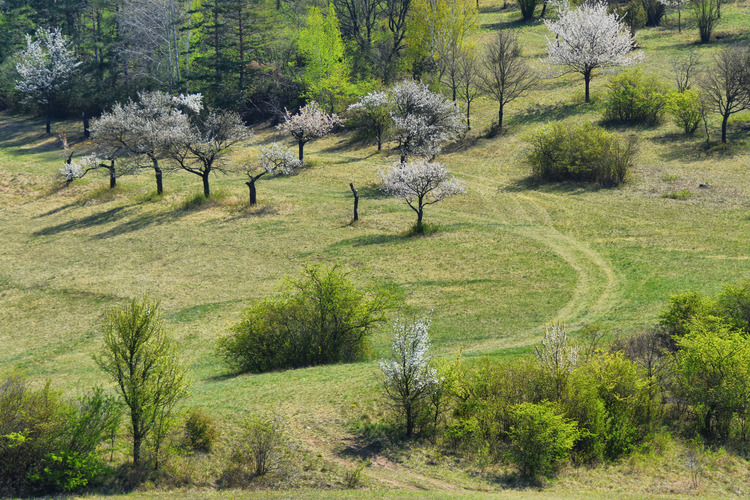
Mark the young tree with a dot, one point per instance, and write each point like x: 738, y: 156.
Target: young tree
x: 274, y: 160
x: 140, y: 358
x: 469, y: 84
x: 557, y: 356
x: 422, y: 120
x: 588, y: 38
x: 706, y: 14
x: 198, y: 145
x: 408, y: 376
x: 45, y: 68
x: 527, y: 8
x: 374, y: 109
x: 506, y: 76
x: 725, y: 83
x: 420, y: 183
x: 310, y: 123
x: 685, y: 69
x: 359, y: 20
x: 677, y: 5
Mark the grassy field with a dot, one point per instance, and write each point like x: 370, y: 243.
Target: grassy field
x: 510, y: 257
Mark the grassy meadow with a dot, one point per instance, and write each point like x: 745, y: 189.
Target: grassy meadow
x: 510, y: 256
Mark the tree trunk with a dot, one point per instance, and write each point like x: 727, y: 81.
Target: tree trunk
x: 356, y: 202
x: 420, y: 212
x: 112, y: 176
x: 301, y: 146
x: 380, y: 140
x: 679, y: 20
x: 500, y: 118
x: 49, y: 117
x: 587, y: 79
x: 206, y: 188
x: 86, y: 131
x: 409, y: 422
x: 724, y: 121
x: 544, y: 9
x: 251, y: 187
x: 468, y: 115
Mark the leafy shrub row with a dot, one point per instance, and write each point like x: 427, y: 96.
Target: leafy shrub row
x: 580, y: 153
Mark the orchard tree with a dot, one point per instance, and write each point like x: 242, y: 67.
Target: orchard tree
x: 310, y: 123
x: 140, y: 358
x: 45, y: 68
x: 198, y: 145
x: 727, y: 83
x: 374, y: 110
x: 422, y: 120
x: 409, y: 379
x: 506, y: 76
x: 420, y: 183
x: 588, y: 38
x: 274, y: 160
x: 137, y: 129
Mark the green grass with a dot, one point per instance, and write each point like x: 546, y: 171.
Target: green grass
x: 507, y: 258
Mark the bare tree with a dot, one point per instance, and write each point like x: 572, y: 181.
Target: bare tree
x: 726, y: 83
x: 274, y: 160
x: 588, y: 38
x: 310, y: 123
x: 506, y: 76
x: 685, y: 69
x: 396, y: 13
x: 420, y: 183
x: 469, y: 84
x: 359, y: 20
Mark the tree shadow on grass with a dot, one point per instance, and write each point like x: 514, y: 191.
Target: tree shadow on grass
x: 542, y: 186
x: 544, y: 113
x: 510, y: 25
x: 92, y: 220
x: 369, y: 239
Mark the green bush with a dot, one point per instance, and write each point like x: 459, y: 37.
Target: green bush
x: 580, y: 153
x: 734, y: 305
x: 681, y: 309
x: 261, y: 444
x: 635, y: 98
x: 48, y: 444
x: 320, y: 318
x: 685, y: 108
x: 633, y: 15
x: 200, y: 431
x: 540, y: 438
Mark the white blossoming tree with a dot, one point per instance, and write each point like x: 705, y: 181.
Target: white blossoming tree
x: 274, y: 160
x: 588, y: 38
x: 310, y: 123
x: 422, y: 120
x: 420, y: 183
x: 409, y: 379
x: 198, y: 145
x: 556, y: 355
x: 45, y: 68
x: 374, y: 109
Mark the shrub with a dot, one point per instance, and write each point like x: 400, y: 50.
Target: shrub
x: 200, y: 431
x: 580, y: 153
x: 635, y: 98
x: 318, y: 319
x: 685, y: 108
x: 540, y: 438
x: 681, y: 309
x: 633, y: 15
x: 261, y: 444
x: 734, y: 305
x: 527, y: 8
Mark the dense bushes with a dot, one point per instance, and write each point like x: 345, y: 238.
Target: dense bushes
x: 49, y: 444
x: 686, y: 110
x: 320, y: 318
x: 580, y: 153
x: 635, y: 98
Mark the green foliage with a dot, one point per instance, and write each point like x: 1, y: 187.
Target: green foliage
x: 200, y: 431
x: 635, y: 98
x: 633, y: 15
x: 682, y: 194
x: 580, y: 153
x: 46, y: 443
x: 540, y: 438
x: 685, y: 108
x: 734, y: 305
x: 320, y: 318
x: 261, y: 444
x: 140, y: 357
x: 713, y: 364
x: 681, y: 309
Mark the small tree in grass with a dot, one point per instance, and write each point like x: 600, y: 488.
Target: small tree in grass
x: 374, y: 108
x: 274, y: 160
x: 409, y: 379
x: 588, y: 38
x: 310, y: 123
x: 140, y: 358
x: 420, y: 183
x: 726, y: 85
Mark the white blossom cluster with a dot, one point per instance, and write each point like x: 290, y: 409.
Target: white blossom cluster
x: 588, y: 37
x: 276, y: 159
x: 310, y: 123
x: 423, y: 120
x: 193, y: 102
x: 420, y: 181
x: 409, y: 369
x: 45, y: 65
x: 370, y: 103
x: 77, y: 169
x: 557, y: 355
